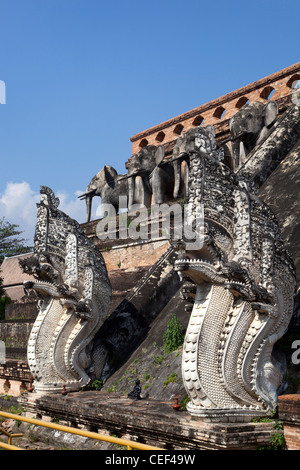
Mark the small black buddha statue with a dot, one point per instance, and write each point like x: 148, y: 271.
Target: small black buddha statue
x: 135, y: 393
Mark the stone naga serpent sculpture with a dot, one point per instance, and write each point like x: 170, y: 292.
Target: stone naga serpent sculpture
x: 241, y: 285
x: 75, y: 294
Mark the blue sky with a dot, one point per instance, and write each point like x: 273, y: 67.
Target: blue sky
x: 83, y: 76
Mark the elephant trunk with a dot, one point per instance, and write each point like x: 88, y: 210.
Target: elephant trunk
x: 88, y: 201
x: 88, y: 193
x: 88, y: 196
x: 236, y: 154
x: 177, y: 177
x: 131, y: 189
x: 241, y: 148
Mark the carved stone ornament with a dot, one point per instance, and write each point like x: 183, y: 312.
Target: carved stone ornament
x: 241, y: 284
x: 75, y: 294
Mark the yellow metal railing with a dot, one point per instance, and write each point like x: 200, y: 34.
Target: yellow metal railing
x: 79, y: 432
x: 9, y: 435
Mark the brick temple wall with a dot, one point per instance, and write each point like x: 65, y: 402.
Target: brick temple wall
x: 21, y: 310
x: 14, y: 377
x: 277, y: 87
x: 289, y: 414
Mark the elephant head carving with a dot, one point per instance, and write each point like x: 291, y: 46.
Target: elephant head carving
x: 108, y: 185
x: 150, y: 179
x: 249, y: 126
x: 194, y: 140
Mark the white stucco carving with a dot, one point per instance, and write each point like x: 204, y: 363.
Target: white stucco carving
x: 244, y: 284
x: 75, y: 293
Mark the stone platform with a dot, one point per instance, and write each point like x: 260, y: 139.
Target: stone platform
x: 155, y: 423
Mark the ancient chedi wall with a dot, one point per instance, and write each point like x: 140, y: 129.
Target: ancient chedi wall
x: 289, y: 413
x: 279, y: 87
x: 22, y: 306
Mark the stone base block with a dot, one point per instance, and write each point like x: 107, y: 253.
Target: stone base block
x: 226, y: 415
x: 153, y: 422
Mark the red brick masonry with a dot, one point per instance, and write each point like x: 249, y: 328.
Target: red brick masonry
x: 219, y: 111
x: 289, y: 414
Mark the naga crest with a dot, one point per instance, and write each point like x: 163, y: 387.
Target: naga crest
x: 75, y: 294
x: 240, y: 285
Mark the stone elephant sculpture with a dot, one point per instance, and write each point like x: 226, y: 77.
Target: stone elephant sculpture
x: 249, y: 126
x: 108, y: 185
x: 150, y: 180
x: 186, y: 144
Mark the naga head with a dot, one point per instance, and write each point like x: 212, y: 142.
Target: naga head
x: 70, y: 278
x: 240, y: 284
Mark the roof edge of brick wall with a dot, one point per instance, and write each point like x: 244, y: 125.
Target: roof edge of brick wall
x: 219, y: 101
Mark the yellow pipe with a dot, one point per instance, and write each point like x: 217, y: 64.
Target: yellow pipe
x: 9, y: 435
x: 13, y: 435
x: 9, y: 447
x: 80, y: 432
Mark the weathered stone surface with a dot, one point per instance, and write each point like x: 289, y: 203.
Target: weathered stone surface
x: 243, y: 226
x: 159, y: 373
x: 15, y: 369
x: 155, y: 423
x: 280, y: 140
x: 249, y: 126
x: 128, y: 326
x: 281, y: 192
x: 15, y: 333
x: 108, y: 185
x: 245, y: 285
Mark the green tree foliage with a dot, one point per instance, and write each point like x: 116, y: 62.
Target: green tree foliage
x: 4, y: 299
x: 2, y: 291
x: 174, y: 336
x: 10, y: 242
